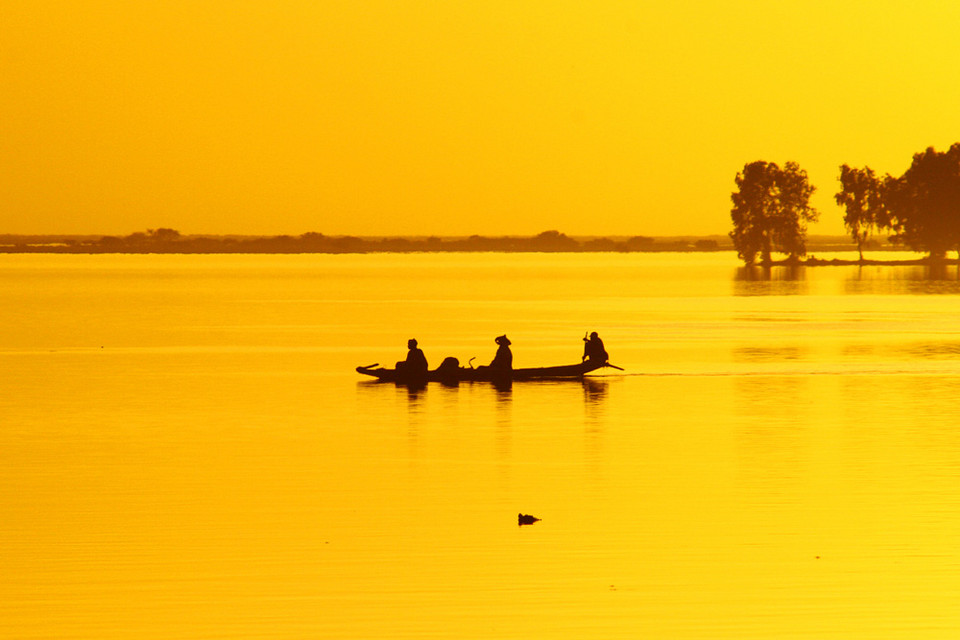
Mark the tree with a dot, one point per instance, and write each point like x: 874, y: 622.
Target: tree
x: 861, y: 196
x: 163, y: 235
x: 554, y: 241
x: 771, y: 209
x: 924, y: 203
x: 640, y: 243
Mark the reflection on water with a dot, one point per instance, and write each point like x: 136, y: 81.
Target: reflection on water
x: 759, y: 353
x: 940, y: 350
x: 941, y: 271
x: 415, y: 393
x: 780, y: 458
x: 782, y: 280
x: 595, y: 391
x: 931, y: 279
x: 504, y: 389
x: 595, y: 397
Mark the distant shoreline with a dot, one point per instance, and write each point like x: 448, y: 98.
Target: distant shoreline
x: 162, y: 241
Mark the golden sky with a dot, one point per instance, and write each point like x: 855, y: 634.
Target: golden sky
x: 492, y: 117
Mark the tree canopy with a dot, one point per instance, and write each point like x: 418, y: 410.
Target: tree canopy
x: 924, y: 203
x: 921, y: 208
x: 861, y: 196
x: 771, y: 209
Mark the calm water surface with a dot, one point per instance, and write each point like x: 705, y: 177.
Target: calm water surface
x: 187, y: 452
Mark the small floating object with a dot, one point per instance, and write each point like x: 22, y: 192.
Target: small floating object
x: 526, y: 519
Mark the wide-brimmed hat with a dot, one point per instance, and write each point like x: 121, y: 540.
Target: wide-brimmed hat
x: 502, y: 339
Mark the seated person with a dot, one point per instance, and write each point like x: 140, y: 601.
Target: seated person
x: 504, y: 358
x: 593, y: 349
x: 416, y: 362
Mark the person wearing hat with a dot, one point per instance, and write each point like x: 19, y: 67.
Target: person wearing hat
x: 503, y: 360
x: 416, y: 362
x: 593, y: 349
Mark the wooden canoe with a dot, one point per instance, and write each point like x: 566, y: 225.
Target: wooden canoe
x: 451, y: 374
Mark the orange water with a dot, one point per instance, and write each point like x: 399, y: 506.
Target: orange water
x: 186, y: 451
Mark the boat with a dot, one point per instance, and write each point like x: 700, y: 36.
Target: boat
x: 450, y: 372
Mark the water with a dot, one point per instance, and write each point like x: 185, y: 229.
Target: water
x: 187, y: 452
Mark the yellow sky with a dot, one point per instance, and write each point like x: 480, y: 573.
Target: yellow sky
x: 415, y: 117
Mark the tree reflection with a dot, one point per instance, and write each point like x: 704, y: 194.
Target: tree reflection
x: 941, y: 270
x: 768, y: 280
x: 755, y: 354
x: 934, y: 278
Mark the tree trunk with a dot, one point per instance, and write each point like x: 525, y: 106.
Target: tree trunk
x: 765, y: 252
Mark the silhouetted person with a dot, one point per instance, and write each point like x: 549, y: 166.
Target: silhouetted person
x: 416, y: 362
x: 593, y: 349
x: 503, y: 361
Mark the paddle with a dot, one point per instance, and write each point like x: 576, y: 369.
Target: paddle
x: 586, y: 338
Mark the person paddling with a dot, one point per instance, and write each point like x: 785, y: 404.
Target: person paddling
x: 593, y: 349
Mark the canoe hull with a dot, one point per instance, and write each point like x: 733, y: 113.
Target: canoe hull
x: 483, y: 374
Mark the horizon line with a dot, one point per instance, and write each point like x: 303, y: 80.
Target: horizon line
x: 625, y: 236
